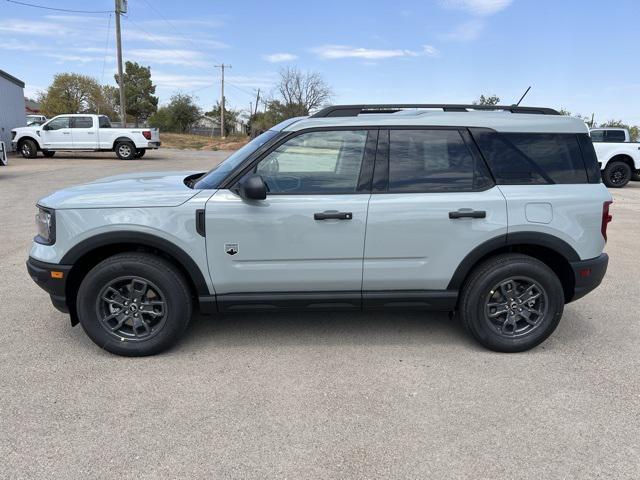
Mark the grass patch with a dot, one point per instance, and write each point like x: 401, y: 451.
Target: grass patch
x: 186, y: 141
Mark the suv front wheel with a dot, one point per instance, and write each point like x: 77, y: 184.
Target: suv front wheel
x: 134, y: 304
x: 511, y: 302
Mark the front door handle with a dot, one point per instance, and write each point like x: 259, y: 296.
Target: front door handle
x: 468, y: 213
x: 332, y: 215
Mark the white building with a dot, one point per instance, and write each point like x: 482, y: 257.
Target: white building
x: 12, y: 112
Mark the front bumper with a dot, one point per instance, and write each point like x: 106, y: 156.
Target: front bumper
x: 588, y: 274
x: 52, y: 278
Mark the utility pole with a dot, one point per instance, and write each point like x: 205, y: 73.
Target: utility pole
x: 123, y: 109
x: 222, y: 67
x: 257, y: 102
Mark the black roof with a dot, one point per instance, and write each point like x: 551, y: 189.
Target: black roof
x: 12, y: 79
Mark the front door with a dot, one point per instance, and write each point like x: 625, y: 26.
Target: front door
x: 308, y: 234
x: 437, y: 204
x: 84, y: 133
x: 56, y: 134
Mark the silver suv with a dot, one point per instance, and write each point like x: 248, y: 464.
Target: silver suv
x: 495, y: 213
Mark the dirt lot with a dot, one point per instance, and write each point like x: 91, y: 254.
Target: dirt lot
x: 323, y: 395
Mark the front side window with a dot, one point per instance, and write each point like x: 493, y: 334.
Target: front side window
x: 597, y: 135
x: 315, y: 163
x: 58, y: 123
x: 82, y: 122
x: 432, y: 161
x: 103, y: 122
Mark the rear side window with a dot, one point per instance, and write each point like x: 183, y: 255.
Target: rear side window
x: 532, y: 158
x: 614, y: 136
x: 433, y: 161
x: 597, y: 135
x: 82, y: 122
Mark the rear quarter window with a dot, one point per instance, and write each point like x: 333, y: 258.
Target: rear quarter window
x: 532, y: 158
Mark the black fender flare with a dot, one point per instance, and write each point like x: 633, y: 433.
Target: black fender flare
x: 145, y: 240
x: 512, y: 239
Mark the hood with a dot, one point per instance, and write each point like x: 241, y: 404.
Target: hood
x: 159, y: 189
x: 32, y: 128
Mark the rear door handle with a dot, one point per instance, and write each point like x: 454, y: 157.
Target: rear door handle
x: 332, y: 215
x: 468, y: 213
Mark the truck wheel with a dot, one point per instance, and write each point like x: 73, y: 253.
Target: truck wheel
x: 28, y: 148
x: 134, y: 304
x: 511, y: 302
x: 616, y: 175
x: 125, y: 150
x: 140, y: 152
x: 48, y: 153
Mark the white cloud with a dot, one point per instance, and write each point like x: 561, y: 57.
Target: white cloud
x: 33, y: 28
x: 170, y: 80
x: 465, y: 32
x: 477, y: 7
x: 168, y: 57
x: 342, y: 51
x: 279, y: 57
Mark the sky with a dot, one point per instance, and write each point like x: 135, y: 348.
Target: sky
x: 580, y: 55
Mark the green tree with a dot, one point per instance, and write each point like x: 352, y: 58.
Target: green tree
x: 178, y: 115
x: 71, y: 93
x: 230, y: 116
x: 110, y: 102
x: 487, y: 100
x: 138, y: 92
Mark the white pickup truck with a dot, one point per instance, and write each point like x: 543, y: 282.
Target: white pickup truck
x: 83, y: 132
x: 618, y: 156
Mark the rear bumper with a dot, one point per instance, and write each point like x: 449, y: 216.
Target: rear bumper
x: 588, y: 274
x: 153, y: 145
x: 41, y: 273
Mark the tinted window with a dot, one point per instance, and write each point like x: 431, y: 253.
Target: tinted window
x: 590, y: 159
x: 103, y: 122
x: 315, y: 162
x: 58, y: 123
x: 82, y: 122
x: 532, y: 158
x: 597, y: 135
x: 431, y: 161
x: 614, y: 136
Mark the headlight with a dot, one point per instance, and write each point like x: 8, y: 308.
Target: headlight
x: 46, y: 226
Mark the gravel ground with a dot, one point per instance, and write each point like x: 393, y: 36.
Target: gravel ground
x: 311, y: 395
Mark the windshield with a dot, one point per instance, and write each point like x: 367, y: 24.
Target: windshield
x: 214, y: 177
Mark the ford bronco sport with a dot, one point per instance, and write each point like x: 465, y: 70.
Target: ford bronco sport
x: 495, y: 213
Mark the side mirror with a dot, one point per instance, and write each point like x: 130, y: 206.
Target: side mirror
x: 253, y: 188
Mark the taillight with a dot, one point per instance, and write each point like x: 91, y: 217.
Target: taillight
x: 147, y: 134
x: 606, y: 218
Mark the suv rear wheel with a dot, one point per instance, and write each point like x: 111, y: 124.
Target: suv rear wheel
x: 616, y: 174
x: 134, y: 304
x: 511, y: 303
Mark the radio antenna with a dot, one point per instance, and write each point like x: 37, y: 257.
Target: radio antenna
x: 523, y: 95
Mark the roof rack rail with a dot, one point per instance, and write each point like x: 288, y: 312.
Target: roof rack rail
x: 355, y: 110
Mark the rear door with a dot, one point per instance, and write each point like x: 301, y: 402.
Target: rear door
x: 83, y: 131
x: 433, y: 202
x: 308, y: 234
x: 56, y: 134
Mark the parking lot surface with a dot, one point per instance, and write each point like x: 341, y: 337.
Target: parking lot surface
x: 311, y: 395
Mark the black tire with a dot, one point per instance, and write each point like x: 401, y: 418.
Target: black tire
x: 635, y: 177
x: 616, y: 174
x: 48, y: 153
x: 28, y: 148
x: 125, y: 150
x: 140, y: 152
x: 483, y: 292
x: 157, y: 327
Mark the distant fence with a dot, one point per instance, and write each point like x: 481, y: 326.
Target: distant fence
x: 205, y: 132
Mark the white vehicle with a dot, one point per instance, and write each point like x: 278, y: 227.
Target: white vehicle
x: 618, y: 156
x: 494, y: 212
x: 33, y: 120
x: 84, y: 132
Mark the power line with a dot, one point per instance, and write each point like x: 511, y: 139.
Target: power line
x: 91, y: 12
x: 106, y: 49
